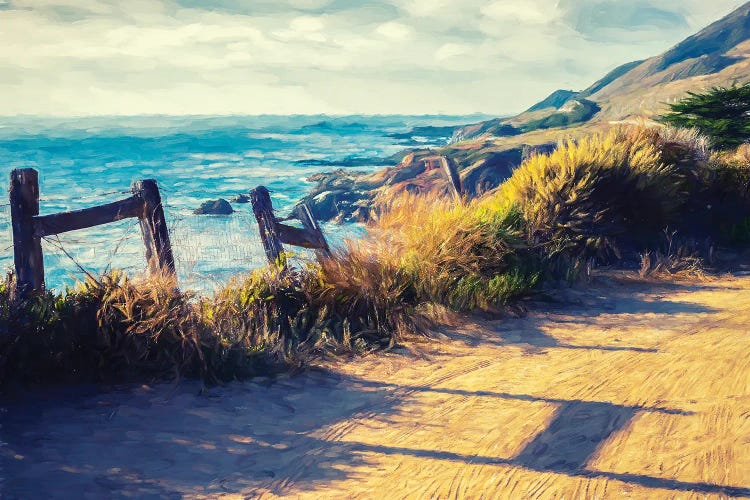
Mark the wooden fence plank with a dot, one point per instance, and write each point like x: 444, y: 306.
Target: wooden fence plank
x: 27, y: 247
x: 79, y: 219
x: 308, y: 222
x: 297, y: 236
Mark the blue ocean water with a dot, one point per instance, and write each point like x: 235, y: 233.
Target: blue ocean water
x: 90, y: 161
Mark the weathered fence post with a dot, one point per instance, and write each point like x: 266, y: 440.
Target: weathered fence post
x: 263, y: 210
x: 308, y: 222
x: 453, y: 177
x: 154, y: 228
x: 450, y: 170
x: 27, y: 247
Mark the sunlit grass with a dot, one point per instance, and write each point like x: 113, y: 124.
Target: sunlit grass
x: 593, y: 199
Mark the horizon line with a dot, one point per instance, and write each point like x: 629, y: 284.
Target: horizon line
x: 247, y: 115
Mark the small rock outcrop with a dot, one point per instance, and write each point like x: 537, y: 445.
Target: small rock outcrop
x: 214, y: 207
x: 348, y: 196
x: 340, y: 195
x: 241, y: 198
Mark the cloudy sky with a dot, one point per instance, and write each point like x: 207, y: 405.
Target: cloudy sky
x: 93, y: 57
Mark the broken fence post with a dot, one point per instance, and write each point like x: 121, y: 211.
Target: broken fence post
x: 453, y: 177
x: 305, y: 216
x: 267, y: 225
x: 274, y: 234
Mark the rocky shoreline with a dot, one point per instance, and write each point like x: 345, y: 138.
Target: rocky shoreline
x: 344, y: 195
x: 348, y: 195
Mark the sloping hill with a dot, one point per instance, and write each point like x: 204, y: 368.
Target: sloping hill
x: 611, y: 77
x: 555, y: 100
x: 708, y: 52
x: 716, y: 56
x: 487, y: 152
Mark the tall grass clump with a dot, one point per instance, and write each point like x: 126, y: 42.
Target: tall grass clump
x: 345, y: 303
x: 592, y: 196
x: 455, y: 254
x: 117, y: 329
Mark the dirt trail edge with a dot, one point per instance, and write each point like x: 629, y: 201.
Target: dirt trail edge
x: 621, y: 389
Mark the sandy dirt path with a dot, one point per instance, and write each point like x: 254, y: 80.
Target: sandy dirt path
x: 618, y: 390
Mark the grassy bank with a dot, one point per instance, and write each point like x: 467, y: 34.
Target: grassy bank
x: 606, y: 199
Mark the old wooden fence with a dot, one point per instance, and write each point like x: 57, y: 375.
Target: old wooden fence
x: 274, y: 234
x: 145, y: 203
x: 29, y: 227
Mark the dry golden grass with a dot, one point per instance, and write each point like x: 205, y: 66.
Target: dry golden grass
x: 589, y: 195
x: 460, y: 255
x: 589, y: 199
x: 117, y: 328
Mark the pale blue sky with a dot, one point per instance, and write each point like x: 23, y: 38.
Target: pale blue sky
x: 89, y: 57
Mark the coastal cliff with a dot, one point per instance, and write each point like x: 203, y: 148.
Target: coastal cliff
x: 349, y: 196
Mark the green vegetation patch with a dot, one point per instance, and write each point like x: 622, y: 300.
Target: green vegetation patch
x: 721, y: 113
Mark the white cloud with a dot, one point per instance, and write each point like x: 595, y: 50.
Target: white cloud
x: 427, y: 8
x: 450, y: 50
x: 305, y: 56
x: 306, y: 24
x: 394, y: 30
x: 524, y: 11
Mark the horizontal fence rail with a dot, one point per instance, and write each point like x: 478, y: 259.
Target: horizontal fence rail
x: 29, y: 227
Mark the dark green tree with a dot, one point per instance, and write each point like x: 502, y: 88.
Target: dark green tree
x: 721, y: 113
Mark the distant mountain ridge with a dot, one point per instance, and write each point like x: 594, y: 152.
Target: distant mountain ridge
x: 555, y: 100
x: 717, y: 55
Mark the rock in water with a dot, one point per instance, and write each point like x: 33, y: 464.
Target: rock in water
x: 214, y: 207
x: 241, y: 198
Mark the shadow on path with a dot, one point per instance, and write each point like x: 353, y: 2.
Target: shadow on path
x: 526, y: 332
x: 167, y: 441
x: 637, y: 479
x: 248, y: 438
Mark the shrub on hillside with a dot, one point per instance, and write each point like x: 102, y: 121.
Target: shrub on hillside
x: 721, y: 113
x: 591, y: 196
x: 727, y: 196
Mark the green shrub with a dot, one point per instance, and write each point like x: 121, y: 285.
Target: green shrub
x: 721, y: 113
